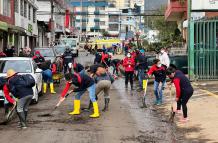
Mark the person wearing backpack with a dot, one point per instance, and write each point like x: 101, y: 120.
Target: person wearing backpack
x: 80, y: 83
x: 17, y: 85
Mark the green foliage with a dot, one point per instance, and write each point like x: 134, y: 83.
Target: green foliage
x: 168, y: 31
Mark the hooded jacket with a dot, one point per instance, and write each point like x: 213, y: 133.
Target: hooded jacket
x: 129, y: 64
x: 39, y: 59
x: 82, y: 81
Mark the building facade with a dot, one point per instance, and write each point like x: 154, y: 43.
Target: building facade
x: 26, y: 23
x: 91, y: 17
x: 6, y: 23
x: 44, y: 21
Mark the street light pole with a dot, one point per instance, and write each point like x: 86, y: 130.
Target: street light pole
x: 52, y: 22
x: 81, y: 3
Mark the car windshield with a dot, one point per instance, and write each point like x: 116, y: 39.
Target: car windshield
x: 22, y: 66
x: 46, y: 52
x: 59, y: 50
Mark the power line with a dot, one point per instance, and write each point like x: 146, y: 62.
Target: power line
x: 85, y: 14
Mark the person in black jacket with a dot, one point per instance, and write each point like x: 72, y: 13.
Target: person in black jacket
x: 68, y: 57
x: 184, y: 90
x: 141, y: 66
x: 24, y: 95
x: 80, y: 83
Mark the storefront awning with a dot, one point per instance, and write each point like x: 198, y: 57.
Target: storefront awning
x: 16, y: 29
x: 3, y: 26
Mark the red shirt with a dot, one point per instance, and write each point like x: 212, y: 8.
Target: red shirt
x: 129, y: 64
x: 7, y: 95
x: 64, y: 92
x: 176, y: 82
x: 104, y: 57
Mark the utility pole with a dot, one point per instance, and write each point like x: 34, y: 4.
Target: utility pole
x: 52, y: 22
x: 81, y: 23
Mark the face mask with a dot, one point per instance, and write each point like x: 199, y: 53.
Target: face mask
x: 159, y: 65
x: 128, y: 56
x: 162, y: 51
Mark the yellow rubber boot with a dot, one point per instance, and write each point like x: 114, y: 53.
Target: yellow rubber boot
x: 76, y: 110
x: 44, y: 87
x: 96, y: 110
x: 52, y: 88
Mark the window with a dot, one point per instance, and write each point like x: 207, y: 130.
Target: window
x: 29, y: 13
x: 21, y: 8
x: 113, y: 27
x: 16, y: 6
x: 34, y: 15
x: 25, y: 9
x: 102, y: 23
x: 7, y: 8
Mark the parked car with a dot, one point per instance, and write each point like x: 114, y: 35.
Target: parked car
x: 60, y: 49
x: 22, y: 66
x: 180, y: 61
x: 49, y: 54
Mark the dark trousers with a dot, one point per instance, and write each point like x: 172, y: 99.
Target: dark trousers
x: 183, y: 100
x: 129, y: 77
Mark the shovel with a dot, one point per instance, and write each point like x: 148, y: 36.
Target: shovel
x: 59, y: 103
x: 9, y: 116
x: 145, y: 85
x: 172, y: 113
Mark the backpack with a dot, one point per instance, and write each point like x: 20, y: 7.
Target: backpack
x: 3, y: 81
x: 29, y: 80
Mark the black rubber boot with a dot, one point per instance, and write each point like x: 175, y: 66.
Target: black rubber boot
x: 21, y: 116
x: 6, y: 106
x: 25, y: 113
x: 106, y: 104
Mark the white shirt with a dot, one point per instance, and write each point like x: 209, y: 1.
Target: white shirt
x: 164, y: 59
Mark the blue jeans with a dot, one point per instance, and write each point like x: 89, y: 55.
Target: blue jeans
x: 141, y: 76
x: 159, y: 91
x: 47, y: 76
x: 91, y: 90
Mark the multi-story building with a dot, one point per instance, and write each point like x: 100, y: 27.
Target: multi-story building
x: 26, y: 22
x: 44, y: 20
x: 91, y: 17
x: 6, y: 23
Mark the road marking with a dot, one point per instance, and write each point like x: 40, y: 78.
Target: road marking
x: 210, y: 93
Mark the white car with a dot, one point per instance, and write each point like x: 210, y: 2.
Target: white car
x: 22, y: 66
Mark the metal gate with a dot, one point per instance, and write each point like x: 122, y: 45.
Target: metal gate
x: 205, y: 50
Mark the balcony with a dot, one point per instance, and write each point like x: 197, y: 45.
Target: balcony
x: 83, y: 20
x: 176, y: 10
x: 97, y: 20
x: 97, y: 12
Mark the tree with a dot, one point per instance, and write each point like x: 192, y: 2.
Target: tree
x: 168, y: 31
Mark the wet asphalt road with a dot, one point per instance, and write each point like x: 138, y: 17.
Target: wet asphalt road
x: 125, y: 122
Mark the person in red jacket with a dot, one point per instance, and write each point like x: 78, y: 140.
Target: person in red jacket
x: 184, y: 90
x: 159, y: 72
x: 129, y: 66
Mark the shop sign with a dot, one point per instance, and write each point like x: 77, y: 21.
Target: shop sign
x: 3, y: 26
x: 204, y: 5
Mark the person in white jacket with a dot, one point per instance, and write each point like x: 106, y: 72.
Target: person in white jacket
x: 164, y: 58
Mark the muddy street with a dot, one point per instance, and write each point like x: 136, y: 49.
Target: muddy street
x: 125, y: 122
